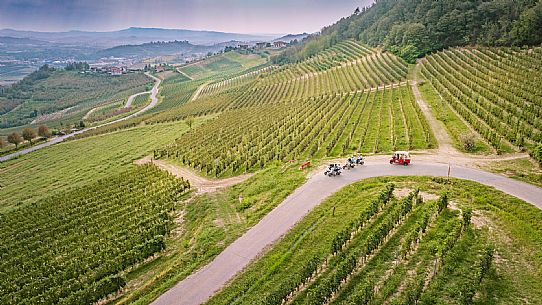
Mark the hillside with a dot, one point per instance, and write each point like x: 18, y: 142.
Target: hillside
x: 48, y: 90
x: 412, y: 29
x: 216, y: 193
x: 154, y: 49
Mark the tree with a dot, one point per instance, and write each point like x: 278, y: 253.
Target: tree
x: 29, y: 134
x: 189, y: 121
x: 15, y: 138
x: 43, y: 131
x: 3, y: 143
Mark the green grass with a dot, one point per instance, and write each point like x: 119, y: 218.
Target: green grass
x: 512, y: 226
x: 454, y: 125
x: 207, y: 225
x: 76, y: 163
x: 222, y: 64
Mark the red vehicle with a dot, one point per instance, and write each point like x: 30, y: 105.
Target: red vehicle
x: 400, y: 157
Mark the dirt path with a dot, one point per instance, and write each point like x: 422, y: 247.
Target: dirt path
x: 198, y: 92
x: 154, y: 101
x: 132, y: 97
x: 445, y: 142
x: 184, y: 74
x: 202, y: 184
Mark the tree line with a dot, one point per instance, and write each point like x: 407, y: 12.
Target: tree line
x: 28, y: 134
x: 412, y: 29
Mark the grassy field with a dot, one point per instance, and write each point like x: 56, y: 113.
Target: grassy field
x: 222, y: 64
x: 454, y: 125
x: 524, y: 169
x: 426, y: 257
x: 76, y: 163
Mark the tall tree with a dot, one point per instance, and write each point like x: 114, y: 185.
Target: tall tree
x: 15, y: 138
x: 29, y: 134
x: 43, y: 131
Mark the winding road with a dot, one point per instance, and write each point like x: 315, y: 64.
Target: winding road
x: 201, y: 285
x: 154, y: 101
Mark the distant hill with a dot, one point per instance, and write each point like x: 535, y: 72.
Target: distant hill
x: 413, y: 28
x: 134, y: 36
x: 154, y: 49
x: 291, y: 37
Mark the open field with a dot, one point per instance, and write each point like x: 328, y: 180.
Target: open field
x: 362, y: 247
x: 222, y: 64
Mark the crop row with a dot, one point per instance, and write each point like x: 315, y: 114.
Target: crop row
x: 331, y: 125
x: 70, y: 248
x: 365, y: 254
x: 496, y: 90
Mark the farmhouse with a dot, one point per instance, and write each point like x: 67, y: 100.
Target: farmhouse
x: 279, y: 44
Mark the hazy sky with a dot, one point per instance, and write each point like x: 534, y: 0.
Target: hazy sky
x: 242, y: 16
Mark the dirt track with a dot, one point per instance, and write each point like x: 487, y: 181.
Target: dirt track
x: 202, y: 184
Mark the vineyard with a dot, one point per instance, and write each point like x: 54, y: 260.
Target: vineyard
x: 70, y: 248
x: 222, y: 65
x: 333, y: 125
x: 369, y: 244
x: 348, y: 99
x: 65, y: 89
x: 496, y: 90
x: 117, y: 109
x: 76, y: 163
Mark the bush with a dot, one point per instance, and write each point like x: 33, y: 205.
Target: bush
x: 467, y: 141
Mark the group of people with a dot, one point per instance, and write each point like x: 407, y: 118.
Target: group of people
x: 335, y: 169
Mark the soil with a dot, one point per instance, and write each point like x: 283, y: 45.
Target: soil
x: 201, y: 184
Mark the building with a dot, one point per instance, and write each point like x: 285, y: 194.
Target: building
x: 261, y: 45
x: 115, y: 71
x: 279, y: 44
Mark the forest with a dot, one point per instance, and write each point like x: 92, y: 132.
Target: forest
x: 412, y: 29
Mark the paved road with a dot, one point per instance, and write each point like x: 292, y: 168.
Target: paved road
x: 154, y: 101
x: 132, y: 97
x: 201, y: 285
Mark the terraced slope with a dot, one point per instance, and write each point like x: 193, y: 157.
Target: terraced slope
x: 350, y: 98
x: 496, y: 90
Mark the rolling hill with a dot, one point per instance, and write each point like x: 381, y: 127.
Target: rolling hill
x: 84, y: 222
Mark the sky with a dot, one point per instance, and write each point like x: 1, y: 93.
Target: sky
x: 238, y: 16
